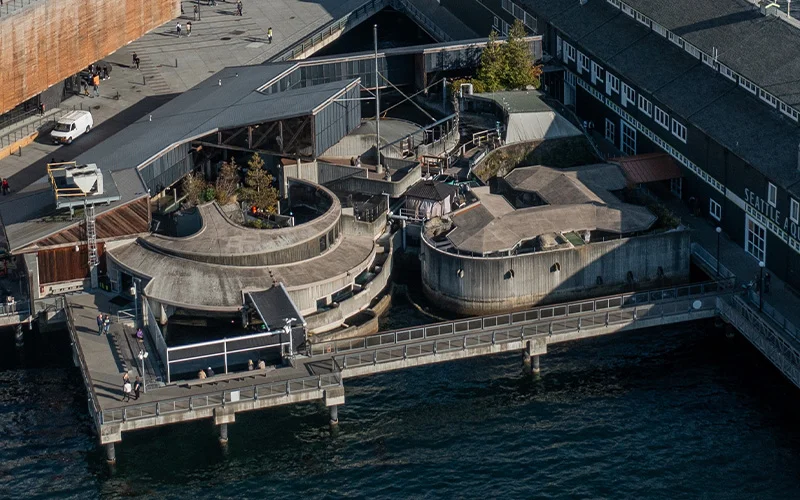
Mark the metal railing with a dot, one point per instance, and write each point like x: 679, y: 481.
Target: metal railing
x: 27, y: 129
x: 530, y: 316
x: 754, y: 298
x: 11, y: 6
x: 218, y: 398
x: 427, y: 24
x: 554, y: 329
x: 15, y: 308
x: 710, y: 261
x: 94, y: 407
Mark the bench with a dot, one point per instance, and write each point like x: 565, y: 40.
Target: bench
x: 227, y: 377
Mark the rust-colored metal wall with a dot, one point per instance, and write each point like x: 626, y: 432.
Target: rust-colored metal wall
x: 65, y: 264
x: 50, y: 40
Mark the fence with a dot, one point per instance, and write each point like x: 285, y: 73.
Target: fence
x: 27, y: 129
x: 710, y: 262
x: 518, y: 334
x: 221, y: 398
x: 15, y: 308
x: 538, y: 314
x: 427, y: 24
x: 151, y: 325
x: 10, y: 6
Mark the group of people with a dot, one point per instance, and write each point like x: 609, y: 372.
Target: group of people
x: 103, y: 324
x: 203, y: 374
x: 261, y: 365
x: 208, y: 372
x: 179, y: 28
x: 128, y: 388
x: 96, y: 73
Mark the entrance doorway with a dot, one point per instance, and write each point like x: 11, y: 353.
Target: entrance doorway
x: 627, y: 138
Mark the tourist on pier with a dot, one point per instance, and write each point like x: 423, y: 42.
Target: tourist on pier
x: 209, y: 372
x: 96, y: 85
x: 126, y: 391
x: 139, y: 335
x: 201, y: 374
x: 136, y: 60
x: 100, y: 324
x: 261, y: 364
x: 6, y: 187
x: 196, y: 11
x: 106, y: 324
x: 269, y: 34
x: 189, y: 28
x: 239, y: 7
x: 250, y: 365
x: 178, y: 28
x: 137, y: 386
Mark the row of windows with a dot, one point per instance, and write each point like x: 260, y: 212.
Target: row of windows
x: 627, y: 94
x: 628, y: 122
x: 709, y: 60
x: 520, y: 13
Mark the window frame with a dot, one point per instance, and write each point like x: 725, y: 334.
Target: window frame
x: 789, y: 111
x: 658, y: 112
x: 772, y: 194
x: 768, y: 98
x: 794, y: 210
x: 727, y: 72
x: 612, y: 127
x: 596, y: 72
x: 583, y: 63
x: 648, y: 106
x: 612, y: 83
x: 676, y: 39
x: 624, y: 95
x: 748, y: 85
x: 714, y: 209
x: 676, y: 129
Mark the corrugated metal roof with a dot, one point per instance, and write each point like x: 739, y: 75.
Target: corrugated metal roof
x: 654, y: 167
x: 430, y: 190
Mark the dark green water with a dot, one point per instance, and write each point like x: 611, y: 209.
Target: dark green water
x: 677, y: 413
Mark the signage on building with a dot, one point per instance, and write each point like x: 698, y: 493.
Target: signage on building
x: 771, y: 213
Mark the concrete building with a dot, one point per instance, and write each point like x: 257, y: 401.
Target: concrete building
x: 547, y: 235
x: 713, y: 84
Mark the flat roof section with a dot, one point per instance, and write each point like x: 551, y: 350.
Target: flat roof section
x: 275, y: 307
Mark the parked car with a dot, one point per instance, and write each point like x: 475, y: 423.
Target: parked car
x: 71, y: 126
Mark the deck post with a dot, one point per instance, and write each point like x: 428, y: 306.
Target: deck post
x: 111, y: 453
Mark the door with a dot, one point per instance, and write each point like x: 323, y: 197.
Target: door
x: 755, y: 242
x: 611, y: 132
x: 627, y: 138
x: 569, y: 89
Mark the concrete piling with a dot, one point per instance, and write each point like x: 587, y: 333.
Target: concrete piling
x: 111, y: 453
x: 334, y: 415
x: 223, y: 433
x: 535, y: 365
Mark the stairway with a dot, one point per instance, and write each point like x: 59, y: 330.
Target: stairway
x: 425, y: 12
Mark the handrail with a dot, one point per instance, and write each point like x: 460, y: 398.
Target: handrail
x: 526, y: 317
x: 85, y: 374
x: 213, y: 399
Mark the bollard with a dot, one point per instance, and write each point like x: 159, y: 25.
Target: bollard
x: 144, y: 82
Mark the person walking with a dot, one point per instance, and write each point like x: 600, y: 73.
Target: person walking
x: 5, y: 186
x: 106, y: 324
x: 189, y: 28
x: 239, y: 7
x: 269, y: 35
x: 126, y: 377
x: 126, y: 391
x: 137, y: 387
x: 178, y: 28
x: 99, y: 324
x: 209, y: 372
x: 85, y: 86
x: 135, y: 60
x: 196, y: 10
x: 96, y: 85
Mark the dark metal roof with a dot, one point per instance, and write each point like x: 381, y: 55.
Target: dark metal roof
x: 275, y: 307
x: 431, y: 190
x: 207, y: 107
x: 733, y: 117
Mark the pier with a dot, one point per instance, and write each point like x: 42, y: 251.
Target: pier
x: 320, y: 374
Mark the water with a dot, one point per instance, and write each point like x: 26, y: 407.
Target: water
x: 678, y: 413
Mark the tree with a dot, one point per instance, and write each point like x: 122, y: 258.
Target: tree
x: 518, y: 70
x: 258, y: 188
x: 193, y: 186
x: 491, y: 68
x: 227, y: 181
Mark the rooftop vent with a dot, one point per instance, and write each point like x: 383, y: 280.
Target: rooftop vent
x: 75, y: 185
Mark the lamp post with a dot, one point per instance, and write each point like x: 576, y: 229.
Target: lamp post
x: 719, y: 232
x: 135, y: 293
x: 142, y: 356
x: 761, y: 287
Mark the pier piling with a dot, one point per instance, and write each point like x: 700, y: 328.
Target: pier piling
x: 223, y: 433
x: 334, y: 415
x: 111, y: 453
x: 535, y: 365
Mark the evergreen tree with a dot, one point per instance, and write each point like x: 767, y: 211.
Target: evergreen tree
x: 518, y: 70
x: 258, y: 188
x: 491, y: 69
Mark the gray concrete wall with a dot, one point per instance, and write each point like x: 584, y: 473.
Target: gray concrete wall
x: 377, y: 186
x: 487, y: 285
x: 351, y: 226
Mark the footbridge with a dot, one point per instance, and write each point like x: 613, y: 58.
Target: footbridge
x: 321, y: 372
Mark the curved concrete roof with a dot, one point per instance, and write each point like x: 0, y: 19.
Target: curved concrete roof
x: 221, y: 241
x: 195, y: 285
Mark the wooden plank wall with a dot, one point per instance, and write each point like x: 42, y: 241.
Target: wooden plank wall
x: 65, y: 264
x: 50, y: 40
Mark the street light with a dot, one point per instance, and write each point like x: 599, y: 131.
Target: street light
x: 135, y: 292
x: 142, y: 356
x: 719, y: 232
x: 287, y: 329
x: 761, y: 287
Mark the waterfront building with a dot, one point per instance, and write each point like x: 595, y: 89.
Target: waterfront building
x: 720, y: 97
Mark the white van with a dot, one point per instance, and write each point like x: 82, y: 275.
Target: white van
x: 70, y: 126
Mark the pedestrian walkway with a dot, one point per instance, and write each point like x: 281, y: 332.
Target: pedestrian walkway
x: 21, y: 133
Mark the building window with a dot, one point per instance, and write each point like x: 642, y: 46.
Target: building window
x: 569, y: 78
x: 709, y: 61
x: 611, y: 132
x: 688, y: 47
x: 506, y: 5
x: 756, y: 239
x: 659, y: 29
x: 612, y: 84
x: 597, y: 73
x: 628, y: 95
x: 645, y: 105
x: 789, y: 111
x: 768, y: 98
x: 676, y: 187
x: 772, y: 194
x: 794, y: 211
x: 615, y: 3
x: 747, y: 84
x: 569, y: 52
x: 643, y: 19
x: 678, y: 130
x: 714, y: 209
x: 727, y: 72
x: 627, y: 139
x: 662, y: 118
x: 627, y: 9
x: 583, y: 62
x: 496, y: 24
x: 675, y: 39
